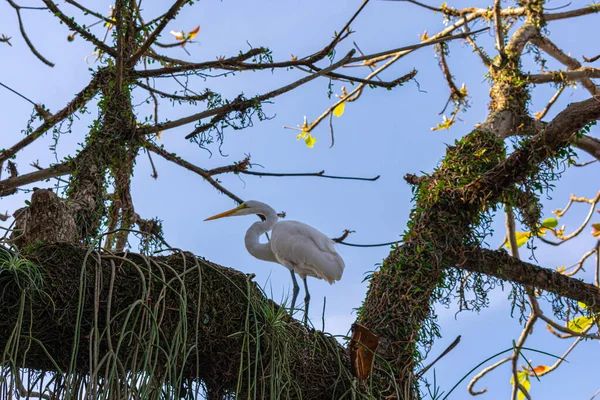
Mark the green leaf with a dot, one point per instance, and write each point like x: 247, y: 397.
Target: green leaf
x: 550, y: 223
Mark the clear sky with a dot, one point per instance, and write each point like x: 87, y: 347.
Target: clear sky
x: 385, y: 133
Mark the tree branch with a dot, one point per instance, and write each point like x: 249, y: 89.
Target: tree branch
x: 70, y: 22
x: 501, y: 265
x: 591, y: 9
x: 242, y: 104
x: 565, y: 76
x: 571, y: 63
x: 80, y: 99
x: 191, y: 167
x: 24, y: 34
x: 157, y: 31
x: 590, y: 145
x: 9, y: 186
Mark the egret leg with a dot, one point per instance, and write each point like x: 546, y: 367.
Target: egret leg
x: 306, y: 301
x: 295, y: 292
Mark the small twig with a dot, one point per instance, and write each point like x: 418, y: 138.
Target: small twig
x: 542, y: 114
x: 191, y: 167
x: 320, y: 174
x: 154, y: 172
x: 499, y: 27
x: 201, y: 97
x: 18, y: 94
x: 369, y: 245
x: 24, y: 34
x: 484, y: 58
x: 344, y: 236
x: 444, y: 353
x: 585, y: 164
x: 70, y: 22
x: 591, y: 60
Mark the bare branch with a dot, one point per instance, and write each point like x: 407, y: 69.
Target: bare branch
x: 565, y: 76
x: 24, y: 34
x: 503, y: 266
x: 156, y: 32
x: 542, y: 114
x: 591, y: 60
x: 591, y: 9
x: 70, y: 22
x: 590, y: 145
x: 571, y: 63
x: 88, y: 11
x: 80, y: 99
x: 201, y: 97
x: 191, y: 167
x: 241, y: 105
x: 320, y: 174
x: 9, y: 186
x: 499, y: 27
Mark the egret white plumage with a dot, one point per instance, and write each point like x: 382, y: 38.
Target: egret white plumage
x: 299, y: 247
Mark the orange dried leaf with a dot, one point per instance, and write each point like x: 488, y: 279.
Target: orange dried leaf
x: 192, y: 34
x: 596, y: 229
x: 539, y: 370
x: 362, y: 349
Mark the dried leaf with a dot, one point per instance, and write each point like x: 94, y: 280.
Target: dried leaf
x: 362, y: 349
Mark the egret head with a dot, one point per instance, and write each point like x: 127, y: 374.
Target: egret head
x: 246, y: 208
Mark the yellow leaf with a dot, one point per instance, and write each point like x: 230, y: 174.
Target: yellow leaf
x: 479, y: 153
x: 339, y: 109
x: 463, y: 90
x: 596, y: 229
x: 582, y: 305
x: 524, y: 381
x: 310, y: 141
x: 522, y: 238
x: 446, y: 124
x: 192, y: 34
x: 580, y: 324
x: 302, y: 135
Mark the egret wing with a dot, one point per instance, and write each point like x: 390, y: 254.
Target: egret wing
x: 306, y: 250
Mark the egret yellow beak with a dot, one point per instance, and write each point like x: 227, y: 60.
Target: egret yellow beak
x: 228, y: 213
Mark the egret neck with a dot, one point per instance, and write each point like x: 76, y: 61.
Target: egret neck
x: 262, y: 251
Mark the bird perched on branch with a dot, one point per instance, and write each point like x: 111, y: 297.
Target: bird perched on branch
x: 299, y: 247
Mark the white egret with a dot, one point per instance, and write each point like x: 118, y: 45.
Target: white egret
x: 300, y: 248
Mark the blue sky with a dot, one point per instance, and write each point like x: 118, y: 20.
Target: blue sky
x: 385, y: 133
